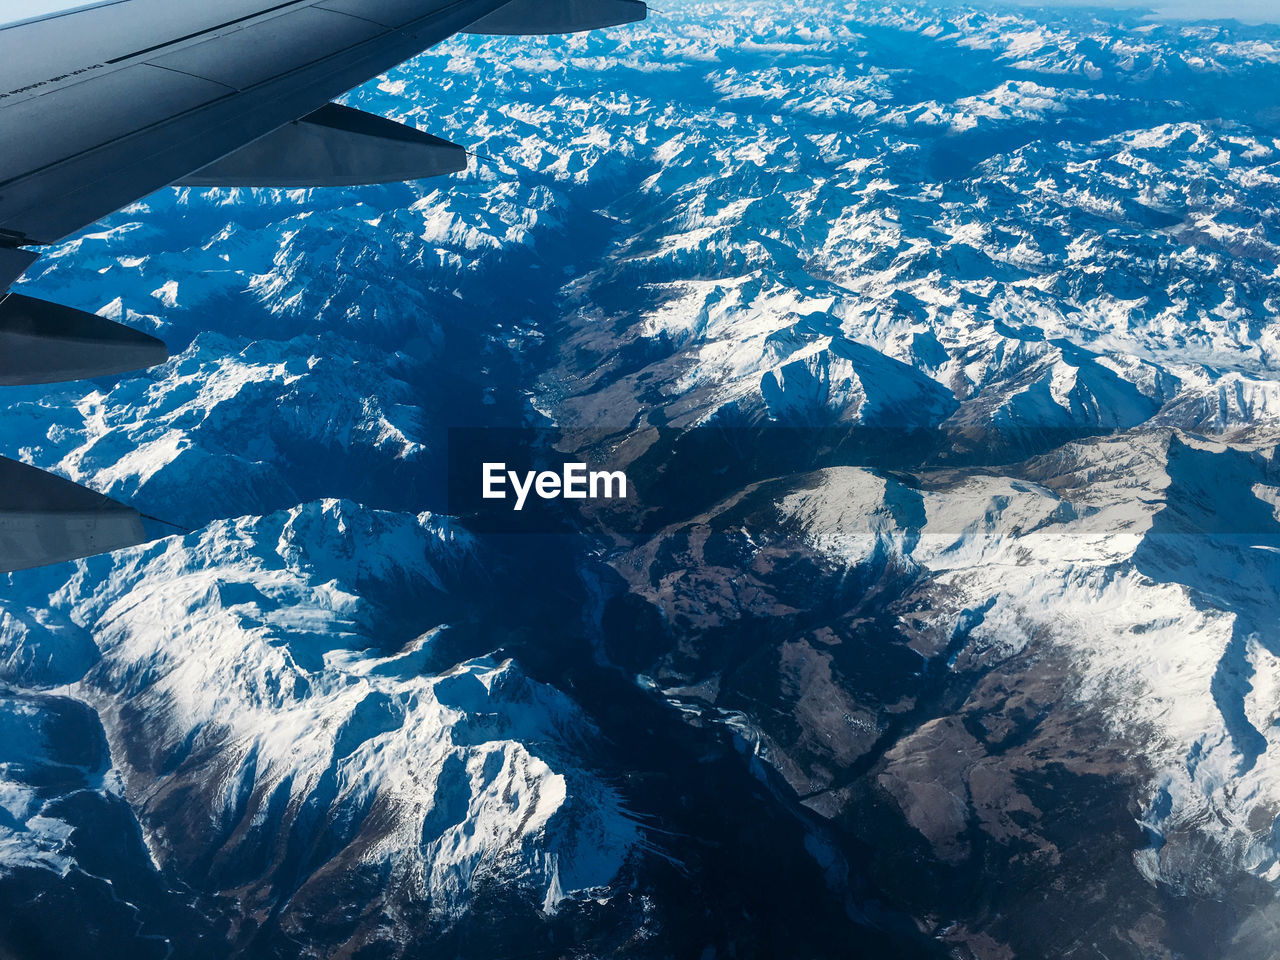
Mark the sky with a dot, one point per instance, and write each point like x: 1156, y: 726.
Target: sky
x: 12, y: 10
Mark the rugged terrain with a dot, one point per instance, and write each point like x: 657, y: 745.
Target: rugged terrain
x: 941, y: 346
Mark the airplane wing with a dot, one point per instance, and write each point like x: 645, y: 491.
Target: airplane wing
x: 105, y: 103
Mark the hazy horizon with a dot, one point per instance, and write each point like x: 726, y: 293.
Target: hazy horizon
x: 1247, y: 11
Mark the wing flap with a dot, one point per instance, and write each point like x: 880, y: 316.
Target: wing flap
x: 335, y: 146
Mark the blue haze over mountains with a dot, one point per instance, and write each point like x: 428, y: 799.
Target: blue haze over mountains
x: 1015, y: 698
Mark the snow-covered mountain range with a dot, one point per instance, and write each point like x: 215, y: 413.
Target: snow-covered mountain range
x: 979, y: 661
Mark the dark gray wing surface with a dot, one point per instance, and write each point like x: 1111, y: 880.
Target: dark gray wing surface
x: 104, y: 104
x: 45, y: 519
x: 99, y: 107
